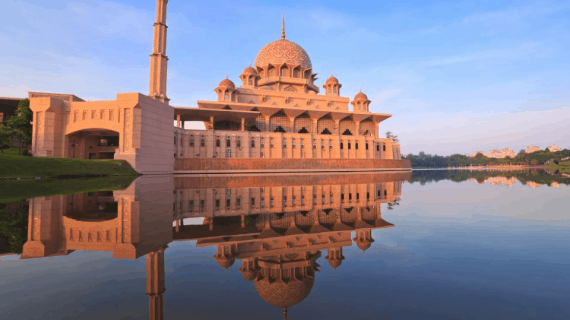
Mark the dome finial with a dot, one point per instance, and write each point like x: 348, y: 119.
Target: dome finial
x: 227, y: 75
x: 283, y: 27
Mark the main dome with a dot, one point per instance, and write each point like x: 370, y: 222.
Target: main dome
x: 283, y: 51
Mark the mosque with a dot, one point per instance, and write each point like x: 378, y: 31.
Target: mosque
x: 275, y: 121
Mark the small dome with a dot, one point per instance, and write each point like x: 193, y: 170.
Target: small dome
x: 363, y: 244
x: 332, y: 80
x: 227, y: 83
x: 360, y: 97
x: 284, y: 295
x: 225, y: 262
x: 249, y: 71
x: 249, y: 275
x: 335, y: 263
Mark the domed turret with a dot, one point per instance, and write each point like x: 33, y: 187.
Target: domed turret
x: 226, y: 90
x: 249, y: 78
x: 363, y: 239
x: 360, y: 102
x: 332, y: 86
x: 249, y: 269
x: 225, y: 262
x: 335, y: 257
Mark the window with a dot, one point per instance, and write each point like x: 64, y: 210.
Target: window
x: 191, y: 142
x: 322, y: 144
x: 228, y: 153
x: 226, y: 96
x: 228, y: 143
x: 342, y: 197
x: 252, y: 143
x: 314, y: 199
x: 201, y: 205
x: 228, y: 202
x: 253, y: 201
x: 262, y: 143
x: 385, y: 193
x: 284, y: 72
x: 294, y: 200
x: 330, y: 144
x: 249, y: 81
x: 271, y: 143
x: 293, y: 143
x: 341, y: 146
x: 366, y: 145
x: 357, y: 196
x: 323, y: 198
x: 217, y: 203
x: 284, y: 143
x: 378, y: 147
x: 367, y: 195
x: 349, y: 146
x: 262, y: 201
x: 378, y: 192
x: 384, y: 148
x: 271, y: 202
x: 350, y: 196
x: 238, y: 202
x: 314, y: 144
x: 331, y: 197
x: 263, y: 154
x: 284, y: 200
x: 175, y: 140
x: 217, y: 142
x: 202, y: 142
x: 295, y: 73
x: 302, y: 144
x: 356, y: 145
x: 238, y: 143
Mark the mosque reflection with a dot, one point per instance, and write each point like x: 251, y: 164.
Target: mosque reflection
x: 276, y: 226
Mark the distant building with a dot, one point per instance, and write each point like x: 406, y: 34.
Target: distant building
x: 501, y: 154
x: 554, y: 148
x: 531, y: 149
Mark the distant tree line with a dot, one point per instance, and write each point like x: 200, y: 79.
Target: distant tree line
x: 423, y: 160
x: 524, y: 176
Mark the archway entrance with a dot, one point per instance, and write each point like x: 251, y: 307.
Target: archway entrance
x: 92, y: 144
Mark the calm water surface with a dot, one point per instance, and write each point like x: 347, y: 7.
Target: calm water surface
x: 434, y: 245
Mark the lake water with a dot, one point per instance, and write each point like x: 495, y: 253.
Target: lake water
x: 429, y: 245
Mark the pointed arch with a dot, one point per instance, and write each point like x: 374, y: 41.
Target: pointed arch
x: 325, y: 125
x: 304, y: 123
x: 279, y: 120
x: 367, y: 127
x: 347, y: 126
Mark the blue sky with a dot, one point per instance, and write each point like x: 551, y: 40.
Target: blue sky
x: 458, y: 76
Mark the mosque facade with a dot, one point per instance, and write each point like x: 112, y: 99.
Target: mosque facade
x: 277, y: 119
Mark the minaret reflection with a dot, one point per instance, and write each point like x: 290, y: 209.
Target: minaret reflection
x: 276, y: 225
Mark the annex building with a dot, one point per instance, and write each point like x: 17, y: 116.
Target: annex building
x: 277, y: 120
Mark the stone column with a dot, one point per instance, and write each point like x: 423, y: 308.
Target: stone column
x: 242, y: 124
x: 178, y: 120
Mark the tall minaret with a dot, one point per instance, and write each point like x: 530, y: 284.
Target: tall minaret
x: 158, y: 58
x: 155, y: 283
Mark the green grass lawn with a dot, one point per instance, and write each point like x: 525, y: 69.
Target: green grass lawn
x: 562, y: 167
x: 14, y: 166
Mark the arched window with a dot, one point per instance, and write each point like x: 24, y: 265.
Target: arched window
x: 217, y: 142
x: 226, y: 96
x: 228, y: 143
x: 296, y: 73
x: 249, y: 81
x: 284, y: 72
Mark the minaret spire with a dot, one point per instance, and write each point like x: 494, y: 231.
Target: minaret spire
x: 283, y: 27
x: 158, y: 58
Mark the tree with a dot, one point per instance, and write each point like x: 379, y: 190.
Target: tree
x: 20, y: 123
x: 546, y: 150
x: 392, y: 137
x: 5, y: 137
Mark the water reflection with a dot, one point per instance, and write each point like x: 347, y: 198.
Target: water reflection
x: 276, y: 226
